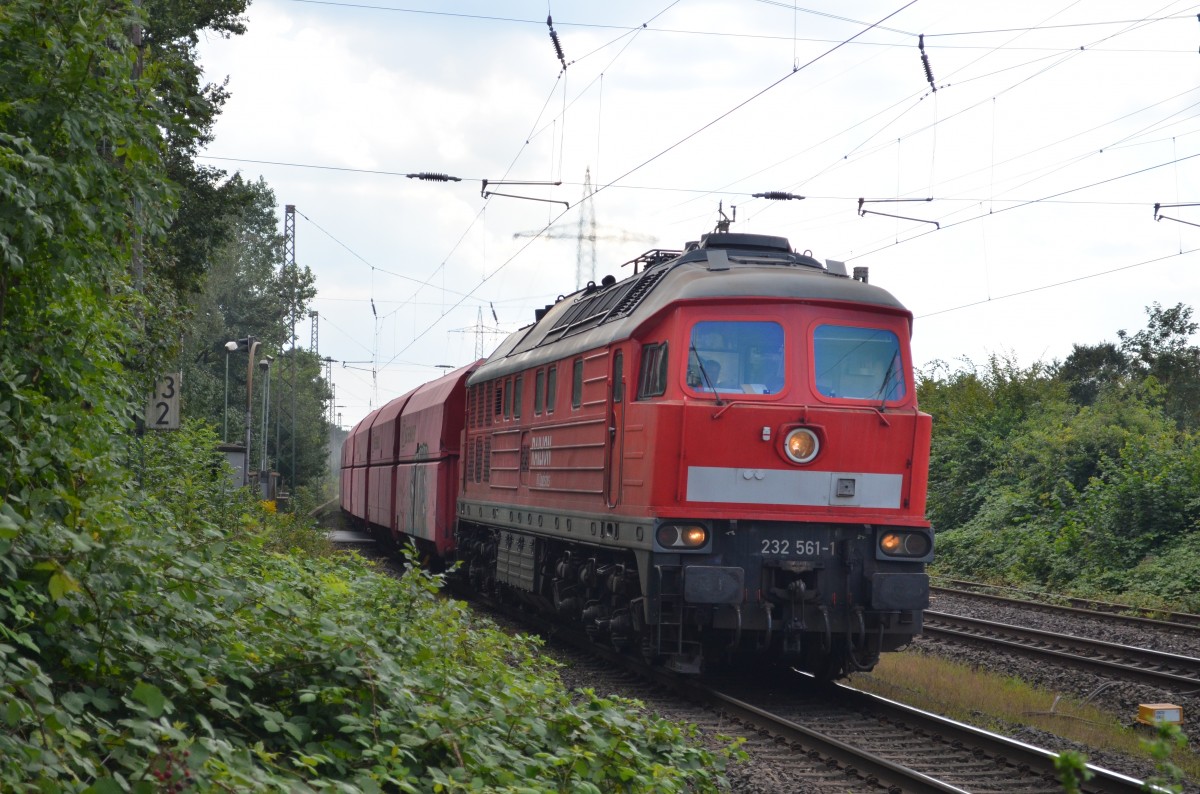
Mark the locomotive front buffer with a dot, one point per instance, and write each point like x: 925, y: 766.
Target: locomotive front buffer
x: 827, y: 597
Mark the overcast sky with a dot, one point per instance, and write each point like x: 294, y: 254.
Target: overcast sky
x: 1054, y: 130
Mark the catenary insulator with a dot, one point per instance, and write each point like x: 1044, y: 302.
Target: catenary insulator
x: 429, y: 176
x: 777, y: 195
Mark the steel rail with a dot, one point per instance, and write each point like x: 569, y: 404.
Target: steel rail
x: 856, y: 760
x: 1016, y: 753
x: 1148, y: 665
x: 1175, y: 621
x: 1026, y: 766
x: 872, y: 768
x: 1094, y: 614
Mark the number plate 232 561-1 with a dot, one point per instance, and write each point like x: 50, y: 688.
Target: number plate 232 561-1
x: 795, y: 547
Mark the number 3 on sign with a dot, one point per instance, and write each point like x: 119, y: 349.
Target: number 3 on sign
x: 162, y: 412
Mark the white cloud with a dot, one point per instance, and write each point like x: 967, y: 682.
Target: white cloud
x: 1018, y: 117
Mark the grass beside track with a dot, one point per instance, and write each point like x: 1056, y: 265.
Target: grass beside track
x: 998, y: 703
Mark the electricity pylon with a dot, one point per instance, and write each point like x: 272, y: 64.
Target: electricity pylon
x: 480, y: 330
x: 586, y: 233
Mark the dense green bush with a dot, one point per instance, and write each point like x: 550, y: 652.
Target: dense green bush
x: 182, y: 652
x: 1172, y: 574
x: 158, y: 629
x: 1081, y: 476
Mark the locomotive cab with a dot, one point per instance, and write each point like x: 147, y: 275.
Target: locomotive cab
x: 801, y: 464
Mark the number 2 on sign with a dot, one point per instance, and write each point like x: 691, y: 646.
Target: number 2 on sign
x: 162, y: 412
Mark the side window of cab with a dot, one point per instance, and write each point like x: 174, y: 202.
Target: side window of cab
x: 652, y: 381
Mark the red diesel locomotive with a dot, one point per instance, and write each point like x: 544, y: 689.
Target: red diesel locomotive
x: 719, y: 456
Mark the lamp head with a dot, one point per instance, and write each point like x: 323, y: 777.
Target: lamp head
x: 231, y: 346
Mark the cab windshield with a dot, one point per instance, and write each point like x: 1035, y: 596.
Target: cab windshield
x: 736, y: 357
x: 857, y: 363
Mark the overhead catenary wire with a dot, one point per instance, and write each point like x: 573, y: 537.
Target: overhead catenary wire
x: 632, y: 34
x: 1028, y: 203
x: 765, y: 36
x: 987, y: 192
x: 636, y: 168
x: 845, y: 158
x: 361, y: 258
x: 1056, y: 284
x: 750, y: 99
x: 513, y: 163
x: 725, y: 191
x: 478, y: 215
x: 1062, y: 165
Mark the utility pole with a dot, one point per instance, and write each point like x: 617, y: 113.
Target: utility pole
x: 289, y: 257
x: 585, y: 255
x: 479, y: 329
x: 329, y: 413
x: 332, y: 402
x: 585, y: 234
x: 314, y: 319
x: 251, y: 345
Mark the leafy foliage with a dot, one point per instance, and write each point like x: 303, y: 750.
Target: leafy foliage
x: 1167, y: 739
x: 246, y: 293
x: 186, y: 652
x: 975, y: 410
x: 1073, y: 771
x: 1077, y: 476
x: 79, y: 149
x: 157, y: 628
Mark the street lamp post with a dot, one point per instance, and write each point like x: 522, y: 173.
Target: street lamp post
x: 265, y: 366
x: 225, y: 426
x: 251, y: 344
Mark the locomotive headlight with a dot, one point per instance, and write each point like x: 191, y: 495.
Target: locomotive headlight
x: 681, y: 536
x: 801, y: 445
x: 908, y: 545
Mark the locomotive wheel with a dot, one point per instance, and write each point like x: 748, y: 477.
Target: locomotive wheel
x: 825, y: 665
x: 649, y: 650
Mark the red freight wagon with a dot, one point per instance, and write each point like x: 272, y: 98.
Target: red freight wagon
x: 427, y: 475
x: 359, y: 443
x: 382, y: 458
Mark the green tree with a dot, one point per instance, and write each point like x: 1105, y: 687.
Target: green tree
x: 1073, y: 475
x: 974, y: 410
x: 174, y: 74
x: 84, y: 187
x: 1090, y: 369
x: 1163, y: 351
x: 247, y: 290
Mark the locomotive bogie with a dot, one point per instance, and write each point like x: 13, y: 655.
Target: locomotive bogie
x: 758, y: 589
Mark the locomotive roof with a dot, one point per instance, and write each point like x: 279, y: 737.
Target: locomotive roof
x: 719, y: 266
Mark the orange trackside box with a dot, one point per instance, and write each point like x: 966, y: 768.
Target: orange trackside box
x: 1154, y: 713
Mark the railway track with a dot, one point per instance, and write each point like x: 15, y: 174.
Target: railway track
x: 837, y: 737
x: 820, y: 738
x: 1168, y: 670
x: 1159, y: 620
x: 825, y: 737
x: 900, y: 748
